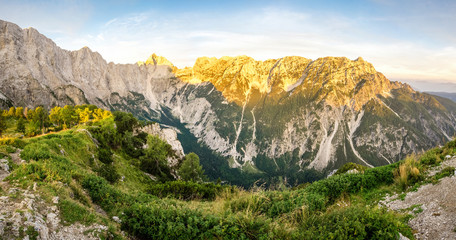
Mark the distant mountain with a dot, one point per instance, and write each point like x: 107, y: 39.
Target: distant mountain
x: 448, y: 95
x: 290, y: 119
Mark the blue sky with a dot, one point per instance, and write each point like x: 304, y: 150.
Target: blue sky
x: 406, y: 40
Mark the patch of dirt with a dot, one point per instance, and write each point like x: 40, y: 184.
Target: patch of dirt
x: 434, y: 206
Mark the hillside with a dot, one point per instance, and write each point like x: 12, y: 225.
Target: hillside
x: 54, y: 185
x: 280, y: 121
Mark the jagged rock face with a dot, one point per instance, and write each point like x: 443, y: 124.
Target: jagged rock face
x: 273, y: 118
x: 170, y: 136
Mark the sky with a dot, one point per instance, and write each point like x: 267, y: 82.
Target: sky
x: 412, y: 41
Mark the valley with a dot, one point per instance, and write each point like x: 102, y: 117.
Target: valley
x: 287, y: 120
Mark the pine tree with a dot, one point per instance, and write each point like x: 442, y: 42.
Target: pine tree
x: 2, y: 125
x: 20, y: 127
x: 191, y: 170
x: 41, y: 117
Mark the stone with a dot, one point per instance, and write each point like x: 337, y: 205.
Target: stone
x: 116, y: 219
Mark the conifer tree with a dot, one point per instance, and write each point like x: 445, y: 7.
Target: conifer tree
x: 20, y: 127
x: 191, y: 170
x: 3, y: 125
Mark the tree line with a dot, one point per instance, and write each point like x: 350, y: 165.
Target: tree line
x: 31, y: 122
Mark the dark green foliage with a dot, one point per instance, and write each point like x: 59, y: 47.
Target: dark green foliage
x: 430, y: 157
x: 125, y: 122
x: 158, y: 221
x: 109, y: 172
x: 186, y: 190
x: 3, y: 125
x: 41, y: 117
x: 275, y: 203
x: 102, y: 193
x: 133, y: 145
x: 154, y: 161
x: 352, y: 223
x: 191, y: 170
x: 20, y: 125
x: 334, y: 186
x: 106, y: 135
x: 10, y: 149
x: 32, y: 233
x: 105, y: 155
x: 446, y: 172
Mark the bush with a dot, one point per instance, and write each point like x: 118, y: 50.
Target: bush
x: 335, y: 186
x: 429, y: 158
x: 72, y: 212
x: 353, y: 223
x: 105, y: 155
x: 446, y: 172
x: 408, y: 173
x: 186, y: 190
x: 36, y: 151
x: 161, y: 221
x: 109, y: 172
x: 102, y: 193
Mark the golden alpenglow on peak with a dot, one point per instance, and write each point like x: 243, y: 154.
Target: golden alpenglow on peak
x: 236, y: 76
x: 154, y: 59
x: 343, y: 81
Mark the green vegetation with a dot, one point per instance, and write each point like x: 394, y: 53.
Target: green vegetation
x: 350, y: 166
x: 191, y: 170
x: 96, y: 164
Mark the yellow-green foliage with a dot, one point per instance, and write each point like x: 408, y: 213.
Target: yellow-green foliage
x: 408, y: 172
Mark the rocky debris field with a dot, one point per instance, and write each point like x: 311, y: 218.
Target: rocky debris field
x: 24, y: 214
x: 432, y: 205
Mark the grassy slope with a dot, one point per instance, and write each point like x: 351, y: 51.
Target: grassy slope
x: 341, y: 206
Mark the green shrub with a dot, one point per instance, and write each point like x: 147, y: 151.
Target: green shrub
x: 429, y: 158
x: 109, y: 172
x: 335, y: 186
x: 105, y: 155
x: 158, y: 221
x: 353, y: 223
x: 10, y: 149
x: 446, y: 172
x: 186, y: 190
x: 36, y: 151
x: 72, y: 212
x: 273, y: 203
x: 102, y: 193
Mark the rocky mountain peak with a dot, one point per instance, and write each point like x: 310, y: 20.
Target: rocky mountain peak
x: 154, y: 59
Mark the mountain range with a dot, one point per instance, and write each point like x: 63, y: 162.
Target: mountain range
x: 289, y: 120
